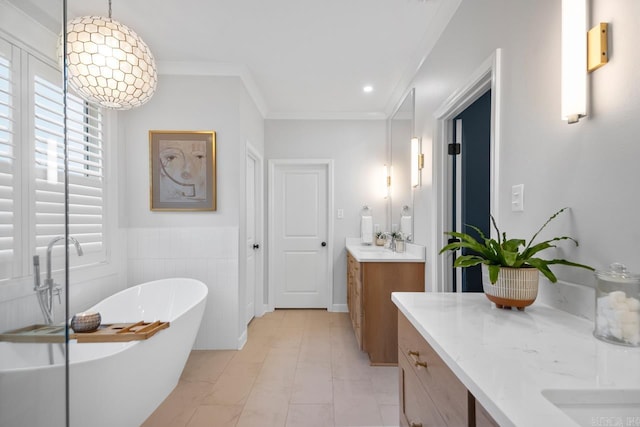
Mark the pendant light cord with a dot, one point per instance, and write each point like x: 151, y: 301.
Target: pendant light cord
x: 109, y: 9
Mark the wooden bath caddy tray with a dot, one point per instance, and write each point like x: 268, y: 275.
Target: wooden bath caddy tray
x: 116, y: 332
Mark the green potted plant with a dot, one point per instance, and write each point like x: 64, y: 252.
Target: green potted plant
x: 380, y: 238
x: 509, y: 266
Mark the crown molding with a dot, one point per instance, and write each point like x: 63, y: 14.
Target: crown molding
x: 327, y: 115
x: 191, y: 68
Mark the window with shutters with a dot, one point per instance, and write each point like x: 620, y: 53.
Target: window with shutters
x: 9, y: 158
x: 33, y: 178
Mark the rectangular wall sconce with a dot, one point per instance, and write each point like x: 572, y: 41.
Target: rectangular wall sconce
x: 385, y: 182
x: 574, y: 49
x: 578, y: 50
x: 417, y: 162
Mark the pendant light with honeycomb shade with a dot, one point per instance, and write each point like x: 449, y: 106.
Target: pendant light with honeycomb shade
x: 108, y: 63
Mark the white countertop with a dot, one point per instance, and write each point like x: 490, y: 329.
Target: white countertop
x: 506, y: 358
x: 373, y: 253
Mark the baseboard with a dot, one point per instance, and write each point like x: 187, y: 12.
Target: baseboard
x: 340, y: 308
x: 264, y: 308
x: 242, y: 340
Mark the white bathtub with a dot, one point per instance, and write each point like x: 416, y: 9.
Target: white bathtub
x: 110, y: 384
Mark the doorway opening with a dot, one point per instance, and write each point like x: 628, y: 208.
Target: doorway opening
x: 485, y: 80
x: 470, y: 175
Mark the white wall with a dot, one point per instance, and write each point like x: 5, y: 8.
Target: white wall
x: 358, y: 148
x: 185, y: 103
x: 194, y: 103
x: 590, y: 166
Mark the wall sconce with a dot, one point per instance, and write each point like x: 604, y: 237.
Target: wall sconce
x: 579, y: 50
x: 385, y: 181
x: 574, y: 48
x: 417, y: 162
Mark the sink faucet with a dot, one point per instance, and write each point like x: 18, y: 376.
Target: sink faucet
x: 390, y: 237
x: 46, y: 291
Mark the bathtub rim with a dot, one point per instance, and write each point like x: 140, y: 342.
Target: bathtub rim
x: 122, y: 345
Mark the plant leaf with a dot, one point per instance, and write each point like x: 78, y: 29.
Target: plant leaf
x: 466, y: 241
x: 468, y: 261
x: 570, y: 263
x: 480, y: 233
x: 529, y: 252
x: 510, y: 257
x: 543, y: 226
x: 541, y: 265
x: 495, y: 226
x: 512, y: 245
x: 476, y: 247
x: 493, y: 273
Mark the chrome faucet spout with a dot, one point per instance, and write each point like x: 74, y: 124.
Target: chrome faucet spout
x: 50, y: 249
x: 77, y: 245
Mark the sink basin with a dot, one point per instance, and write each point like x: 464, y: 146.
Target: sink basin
x: 614, y: 407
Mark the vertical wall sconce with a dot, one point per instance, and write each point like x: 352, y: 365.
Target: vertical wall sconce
x: 417, y: 162
x: 385, y: 182
x: 580, y: 54
x: 574, y: 49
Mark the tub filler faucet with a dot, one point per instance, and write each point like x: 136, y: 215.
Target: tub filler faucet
x: 46, y: 291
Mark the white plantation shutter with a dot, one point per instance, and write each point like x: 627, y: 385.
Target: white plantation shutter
x: 86, y: 173
x: 7, y: 161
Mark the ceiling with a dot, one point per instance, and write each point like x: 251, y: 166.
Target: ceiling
x: 298, y: 58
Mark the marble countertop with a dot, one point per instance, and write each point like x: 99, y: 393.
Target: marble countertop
x: 506, y: 358
x: 373, y: 253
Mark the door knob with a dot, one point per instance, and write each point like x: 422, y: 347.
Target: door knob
x: 256, y: 246
x: 323, y: 244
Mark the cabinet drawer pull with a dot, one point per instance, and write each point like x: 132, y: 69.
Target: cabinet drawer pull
x: 414, y: 353
x: 416, y: 424
x: 419, y: 363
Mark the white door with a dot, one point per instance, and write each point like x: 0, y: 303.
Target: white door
x: 252, y: 242
x: 300, y: 214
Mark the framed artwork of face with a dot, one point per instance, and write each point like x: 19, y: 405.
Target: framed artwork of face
x: 183, y: 170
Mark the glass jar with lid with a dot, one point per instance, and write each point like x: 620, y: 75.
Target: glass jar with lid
x: 618, y: 306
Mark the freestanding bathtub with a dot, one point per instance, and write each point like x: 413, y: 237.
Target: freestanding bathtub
x: 110, y: 384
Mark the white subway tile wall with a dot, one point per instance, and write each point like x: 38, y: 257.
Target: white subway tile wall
x: 206, y: 254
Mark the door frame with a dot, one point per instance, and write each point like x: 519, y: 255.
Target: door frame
x: 252, y: 153
x: 273, y: 164
x: 488, y: 76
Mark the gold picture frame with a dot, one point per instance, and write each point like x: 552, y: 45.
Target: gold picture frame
x: 182, y: 168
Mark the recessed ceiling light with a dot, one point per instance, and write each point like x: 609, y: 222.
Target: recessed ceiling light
x: 367, y: 89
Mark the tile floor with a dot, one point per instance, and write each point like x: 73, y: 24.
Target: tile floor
x: 298, y: 368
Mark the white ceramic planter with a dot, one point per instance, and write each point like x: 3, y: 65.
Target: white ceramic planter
x: 515, y: 287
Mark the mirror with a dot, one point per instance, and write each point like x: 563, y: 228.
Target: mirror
x: 401, y: 131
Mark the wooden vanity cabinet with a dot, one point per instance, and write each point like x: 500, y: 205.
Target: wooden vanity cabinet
x: 430, y: 393
x: 373, y: 315
x: 354, y: 296
x: 483, y: 419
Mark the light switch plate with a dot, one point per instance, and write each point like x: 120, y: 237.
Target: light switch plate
x: 517, y: 198
x: 340, y: 213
